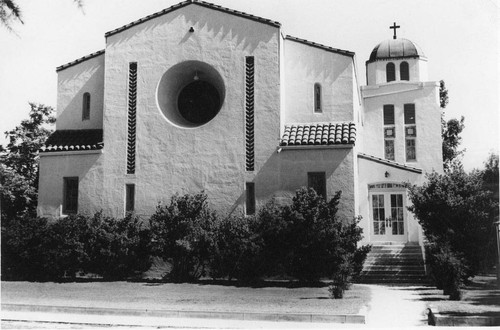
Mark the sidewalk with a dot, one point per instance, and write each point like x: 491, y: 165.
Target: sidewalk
x: 388, y: 306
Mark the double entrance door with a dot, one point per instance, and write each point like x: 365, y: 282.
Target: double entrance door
x: 388, y: 210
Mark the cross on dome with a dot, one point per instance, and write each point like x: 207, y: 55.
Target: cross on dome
x: 394, y: 27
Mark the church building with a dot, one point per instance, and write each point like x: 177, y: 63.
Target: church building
x: 200, y: 97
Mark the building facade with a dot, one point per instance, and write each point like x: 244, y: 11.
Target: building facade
x: 200, y: 97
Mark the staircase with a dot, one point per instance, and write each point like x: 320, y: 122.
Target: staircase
x: 394, y: 264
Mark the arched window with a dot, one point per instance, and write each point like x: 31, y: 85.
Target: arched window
x: 390, y: 72
x: 404, y: 70
x: 86, y: 106
x: 317, y: 98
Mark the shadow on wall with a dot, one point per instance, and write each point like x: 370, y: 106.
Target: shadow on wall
x: 72, y: 113
x: 285, y: 172
x: 248, y: 34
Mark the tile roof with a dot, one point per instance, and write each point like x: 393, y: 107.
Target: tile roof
x: 80, y: 60
x: 197, y: 2
x: 319, y: 134
x: 74, y: 140
x: 320, y: 46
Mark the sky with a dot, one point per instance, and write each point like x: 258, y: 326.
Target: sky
x: 459, y: 37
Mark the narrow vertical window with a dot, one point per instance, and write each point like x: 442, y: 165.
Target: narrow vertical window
x: 317, y: 181
x: 250, y: 198
x: 70, y: 195
x: 390, y: 72
x: 404, y: 71
x: 317, y: 98
x: 86, y: 106
x: 249, y: 114
x: 410, y: 132
x: 129, y: 197
x: 132, y: 114
x: 389, y: 132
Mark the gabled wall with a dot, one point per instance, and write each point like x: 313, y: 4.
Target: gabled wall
x: 72, y: 82
x: 211, y: 157
x: 306, y: 65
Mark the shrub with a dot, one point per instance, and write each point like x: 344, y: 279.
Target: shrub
x: 307, y: 240
x: 39, y: 250
x: 237, y: 250
x: 455, y: 209
x: 446, y: 268
x: 117, y: 248
x: 24, y: 256
x: 183, y: 234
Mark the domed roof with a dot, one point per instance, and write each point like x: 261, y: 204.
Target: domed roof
x: 395, y: 48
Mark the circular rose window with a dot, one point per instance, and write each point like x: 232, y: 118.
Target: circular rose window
x: 190, y: 94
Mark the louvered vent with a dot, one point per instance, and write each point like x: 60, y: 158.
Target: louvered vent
x: 132, y: 114
x: 249, y: 114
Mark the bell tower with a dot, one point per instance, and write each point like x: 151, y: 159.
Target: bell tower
x: 396, y: 60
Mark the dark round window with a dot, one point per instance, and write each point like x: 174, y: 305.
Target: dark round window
x: 199, y: 102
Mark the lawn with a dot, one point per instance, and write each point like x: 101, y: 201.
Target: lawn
x: 480, y: 298
x: 188, y: 297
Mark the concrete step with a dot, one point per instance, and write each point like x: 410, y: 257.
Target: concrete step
x: 395, y: 263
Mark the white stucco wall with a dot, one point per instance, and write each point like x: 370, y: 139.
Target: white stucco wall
x: 286, y: 171
x: 376, y: 71
x: 306, y: 65
x: 72, y: 83
x: 171, y: 159
x: 428, y: 121
x: 86, y: 165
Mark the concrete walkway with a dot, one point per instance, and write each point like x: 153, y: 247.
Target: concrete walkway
x: 390, y: 306
x: 395, y: 306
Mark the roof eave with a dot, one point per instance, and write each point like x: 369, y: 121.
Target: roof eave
x: 196, y: 2
x: 320, y: 46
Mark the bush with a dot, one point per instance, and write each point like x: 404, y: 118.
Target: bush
x: 446, y: 269
x: 116, y: 248
x: 307, y: 240
x: 39, y: 250
x: 237, y: 250
x: 455, y: 210
x: 183, y: 233
x: 24, y: 255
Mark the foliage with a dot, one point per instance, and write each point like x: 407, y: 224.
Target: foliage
x: 183, y: 232
x: 443, y: 95
x: 10, y: 12
x: 307, y: 240
x: 447, y: 268
x: 24, y: 249
x: 115, y: 248
x: 451, y: 141
x: 453, y: 208
x: 39, y: 250
x: 19, y: 163
x: 237, y: 249
x: 490, y: 173
x: 450, y: 132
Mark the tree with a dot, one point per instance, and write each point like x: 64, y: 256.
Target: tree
x: 10, y: 12
x: 19, y: 162
x: 455, y: 210
x: 450, y: 131
x: 490, y: 173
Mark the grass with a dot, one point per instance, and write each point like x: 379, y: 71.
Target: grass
x: 480, y: 298
x: 189, y: 297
